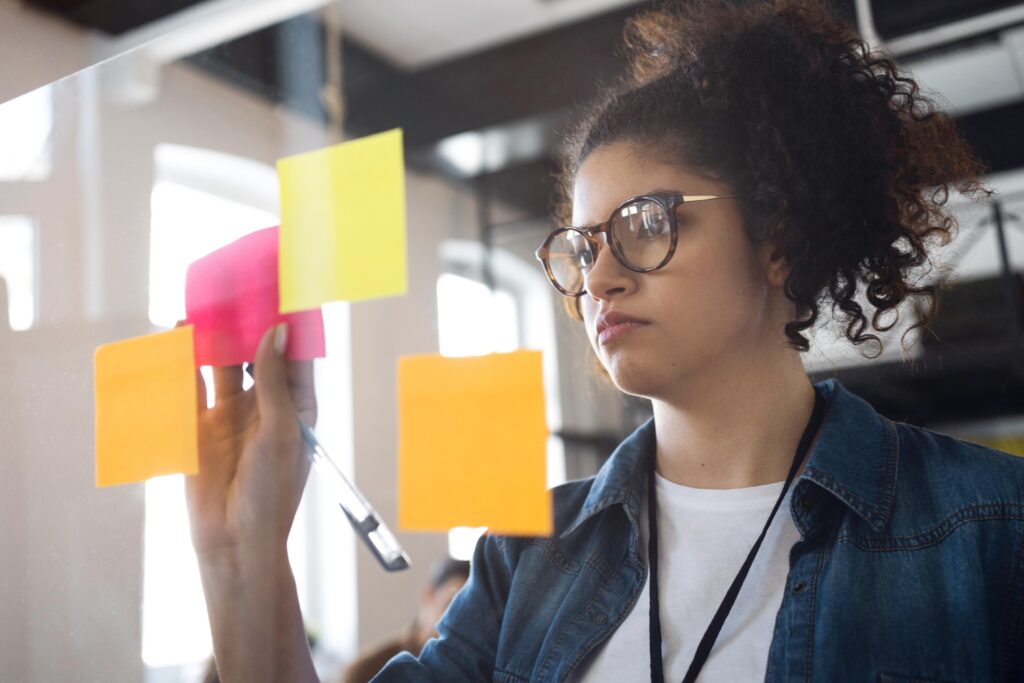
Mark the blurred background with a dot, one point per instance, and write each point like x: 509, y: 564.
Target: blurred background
x: 138, y: 136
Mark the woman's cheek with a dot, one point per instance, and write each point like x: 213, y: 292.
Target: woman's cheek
x: 589, y: 310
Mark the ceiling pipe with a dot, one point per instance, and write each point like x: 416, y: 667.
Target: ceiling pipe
x: 938, y: 36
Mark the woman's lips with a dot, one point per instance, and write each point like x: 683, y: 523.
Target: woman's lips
x: 616, y: 331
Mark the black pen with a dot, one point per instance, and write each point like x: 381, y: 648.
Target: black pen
x: 361, y: 515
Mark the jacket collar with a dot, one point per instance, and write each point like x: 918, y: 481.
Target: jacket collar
x: 856, y: 455
x: 622, y: 478
x: 854, y: 458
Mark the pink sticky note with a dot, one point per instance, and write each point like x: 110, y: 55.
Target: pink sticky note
x: 231, y: 297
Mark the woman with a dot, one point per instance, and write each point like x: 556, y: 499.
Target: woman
x: 760, y: 167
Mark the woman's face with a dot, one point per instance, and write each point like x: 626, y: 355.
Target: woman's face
x: 716, y: 303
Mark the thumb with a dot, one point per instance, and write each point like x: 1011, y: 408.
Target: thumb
x: 272, y: 395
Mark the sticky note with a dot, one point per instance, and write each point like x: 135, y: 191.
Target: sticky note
x: 231, y: 298
x: 145, y: 392
x: 343, y: 223
x: 1012, y: 444
x: 471, y: 441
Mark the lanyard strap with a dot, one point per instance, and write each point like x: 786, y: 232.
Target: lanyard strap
x: 711, y: 634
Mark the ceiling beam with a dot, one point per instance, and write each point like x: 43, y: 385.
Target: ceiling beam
x: 537, y: 75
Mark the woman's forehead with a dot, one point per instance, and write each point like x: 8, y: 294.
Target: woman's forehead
x: 613, y: 173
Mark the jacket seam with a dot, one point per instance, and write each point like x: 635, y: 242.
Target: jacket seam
x: 506, y: 677
x: 601, y: 591
x: 561, y: 561
x: 892, y: 469
x: 1013, y: 660
x: 939, y: 533
x: 811, y: 602
x: 561, y: 636
x: 610, y: 628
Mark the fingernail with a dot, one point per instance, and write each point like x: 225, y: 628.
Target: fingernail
x: 281, y: 338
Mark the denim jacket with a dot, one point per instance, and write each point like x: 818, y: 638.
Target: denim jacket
x: 910, y: 567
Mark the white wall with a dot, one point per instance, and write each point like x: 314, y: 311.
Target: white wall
x: 44, y: 49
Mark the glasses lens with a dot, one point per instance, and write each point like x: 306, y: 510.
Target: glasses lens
x: 642, y: 232
x: 569, y: 258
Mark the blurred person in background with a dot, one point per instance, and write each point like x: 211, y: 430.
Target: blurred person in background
x: 434, y: 597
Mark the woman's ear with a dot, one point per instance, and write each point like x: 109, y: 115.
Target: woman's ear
x: 776, y: 267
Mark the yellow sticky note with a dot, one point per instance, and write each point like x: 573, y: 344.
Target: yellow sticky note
x: 343, y: 223
x: 471, y: 442
x: 1012, y: 444
x: 145, y: 391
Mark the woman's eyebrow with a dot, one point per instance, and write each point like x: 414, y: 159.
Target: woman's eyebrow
x: 657, y: 190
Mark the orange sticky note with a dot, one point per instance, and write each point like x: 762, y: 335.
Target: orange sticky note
x: 472, y: 438
x: 145, y: 392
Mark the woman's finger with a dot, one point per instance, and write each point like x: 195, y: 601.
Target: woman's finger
x: 272, y: 392
x: 227, y: 381
x: 300, y: 376
x: 200, y: 391
x: 200, y: 381
x: 302, y: 388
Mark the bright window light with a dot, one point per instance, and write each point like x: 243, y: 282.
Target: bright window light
x: 188, y: 224
x: 26, y: 123
x: 174, y: 624
x: 462, y: 541
x: 472, y: 320
x: 464, y: 151
x: 18, y: 269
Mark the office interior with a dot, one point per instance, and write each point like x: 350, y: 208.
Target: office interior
x: 137, y: 137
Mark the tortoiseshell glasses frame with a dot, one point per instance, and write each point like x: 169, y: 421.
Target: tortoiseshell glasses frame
x: 669, y: 203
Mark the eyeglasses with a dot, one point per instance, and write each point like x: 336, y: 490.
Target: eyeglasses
x: 641, y: 231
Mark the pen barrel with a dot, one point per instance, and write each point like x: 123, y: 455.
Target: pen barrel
x: 361, y: 515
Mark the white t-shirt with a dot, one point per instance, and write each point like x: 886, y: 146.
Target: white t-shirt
x: 704, y: 536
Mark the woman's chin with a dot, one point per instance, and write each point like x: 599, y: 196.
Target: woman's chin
x: 637, y: 378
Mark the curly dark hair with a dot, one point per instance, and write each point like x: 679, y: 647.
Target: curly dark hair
x: 839, y: 161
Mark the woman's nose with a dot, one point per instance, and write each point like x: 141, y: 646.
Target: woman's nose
x: 607, y: 276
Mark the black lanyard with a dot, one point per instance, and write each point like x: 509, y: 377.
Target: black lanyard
x: 711, y: 634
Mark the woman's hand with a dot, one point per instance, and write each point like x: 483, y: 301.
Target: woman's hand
x: 252, y: 464
x: 252, y: 469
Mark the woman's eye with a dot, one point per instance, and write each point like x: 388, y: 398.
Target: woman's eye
x: 653, y: 227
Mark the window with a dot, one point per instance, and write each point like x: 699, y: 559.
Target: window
x: 18, y: 271
x: 187, y: 224
x: 26, y: 124
x: 473, y: 321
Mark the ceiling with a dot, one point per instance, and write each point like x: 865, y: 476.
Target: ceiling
x: 427, y: 33
x: 408, y: 33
